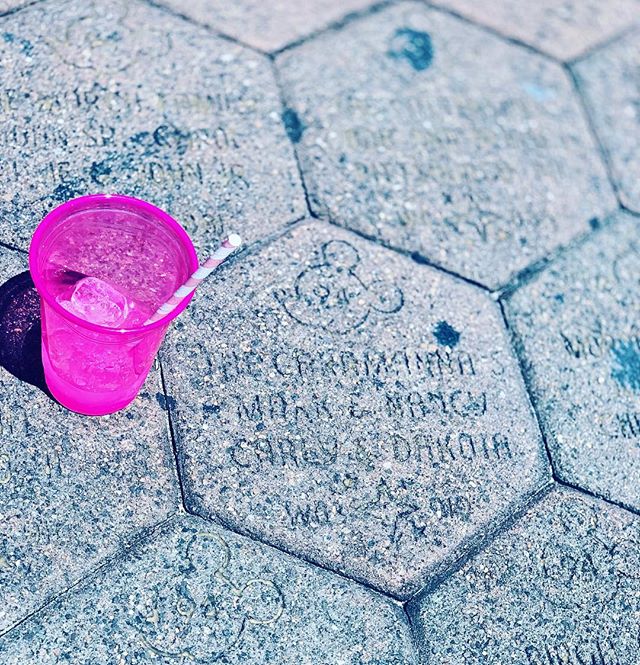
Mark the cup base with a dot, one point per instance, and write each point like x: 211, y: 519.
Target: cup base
x: 81, y: 401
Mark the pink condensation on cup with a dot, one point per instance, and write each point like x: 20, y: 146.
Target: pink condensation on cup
x: 102, y: 265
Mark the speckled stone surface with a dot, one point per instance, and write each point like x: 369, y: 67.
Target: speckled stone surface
x: 561, y: 587
x: 7, y: 5
x: 371, y: 418
x: 198, y: 594
x: 564, y: 29
x: 436, y: 137
x: 270, y: 24
x: 123, y: 97
x: 578, y: 328
x: 73, y: 489
x: 609, y: 82
x: 365, y: 413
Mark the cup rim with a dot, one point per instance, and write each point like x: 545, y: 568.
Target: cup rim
x: 84, y: 202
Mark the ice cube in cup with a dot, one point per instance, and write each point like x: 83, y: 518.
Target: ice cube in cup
x: 94, y: 300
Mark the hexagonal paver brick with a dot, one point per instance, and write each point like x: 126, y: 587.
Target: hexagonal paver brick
x: 611, y: 85
x: 73, y: 490
x: 434, y: 136
x: 268, y: 25
x: 561, y: 29
x: 123, y: 97
x: 196, y: 594
x: 577, y: 327
x: 337, y: 400
x: 561, y: 587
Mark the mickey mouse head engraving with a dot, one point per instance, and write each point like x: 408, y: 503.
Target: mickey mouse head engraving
x: 199, y: 613
x: 576, y: 567
x: 330, y: 295
x: 100, y: 37
x: 627, y: 556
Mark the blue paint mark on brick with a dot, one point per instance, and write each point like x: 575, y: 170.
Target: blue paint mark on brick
x: 446, y: 334
x: 626, y: 371
x: 293, y: 125
x: 413, y: 46
x: 25, y: 44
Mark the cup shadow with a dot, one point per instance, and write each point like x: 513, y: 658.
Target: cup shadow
x: 20, y: 329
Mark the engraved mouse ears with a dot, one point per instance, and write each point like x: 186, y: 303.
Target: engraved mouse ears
x: 576, y: 517
x: 259, y: 600
x: 207, y: 552
x: 626, y: 555
x: 340, y: 254
x: 385, y: 297
x: 626, y: 266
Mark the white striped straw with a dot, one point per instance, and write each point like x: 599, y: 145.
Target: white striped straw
x: 227, y: 247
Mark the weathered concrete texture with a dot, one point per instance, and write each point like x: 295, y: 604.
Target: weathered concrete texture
x: 609, y: 81
x: 562, y: 586
x: 7, y: 5
x: 72, y: 489
x: 371, y: 417
x: 578, y: 329
x: 198, y: 594
x: 122, y: 97
x: 562, y: 29
x: 434, y: 136
x: 268, y: 25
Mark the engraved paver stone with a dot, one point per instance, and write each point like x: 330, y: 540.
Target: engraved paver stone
x: 563, y: 29
x: 270, y: 24
x: 351, y: 406
x: 73, y: 489
x: 200, y: 595
x: 122, y: 97
x: 436, y: 137
x: 579, y: 336
x: 610, y: 82
x: 561, y: 587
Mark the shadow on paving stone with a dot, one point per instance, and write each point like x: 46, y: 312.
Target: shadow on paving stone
x: 20, y: 351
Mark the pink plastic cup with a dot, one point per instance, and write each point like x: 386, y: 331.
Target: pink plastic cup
x: 136, y: 249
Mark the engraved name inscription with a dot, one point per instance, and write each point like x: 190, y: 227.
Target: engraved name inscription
x: 590, y: 652
x: 468, y: 211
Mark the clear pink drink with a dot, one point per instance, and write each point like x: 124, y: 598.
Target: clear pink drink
x: 102, y: 265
